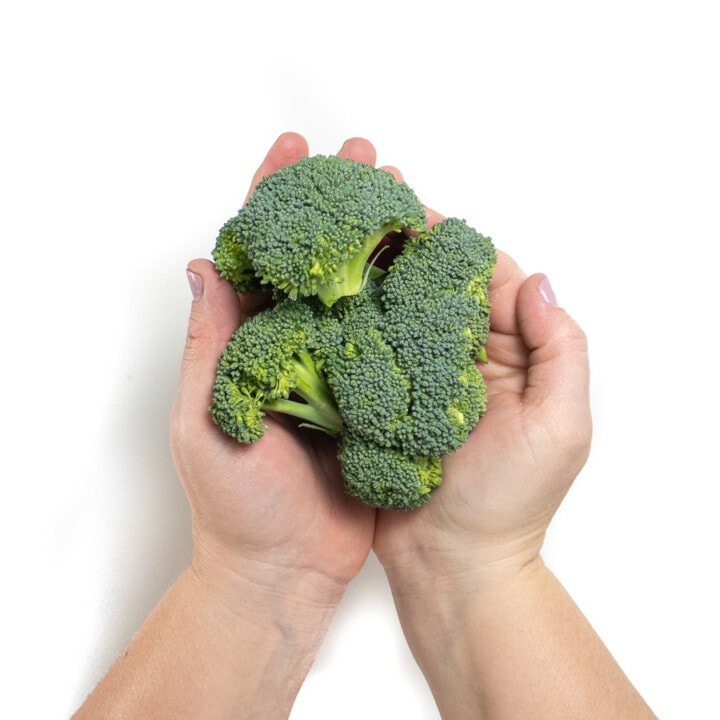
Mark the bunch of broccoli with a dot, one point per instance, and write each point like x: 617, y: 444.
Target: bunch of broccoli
x: 367, y: 341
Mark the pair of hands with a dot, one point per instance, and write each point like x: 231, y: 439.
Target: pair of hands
x: 276, y: 513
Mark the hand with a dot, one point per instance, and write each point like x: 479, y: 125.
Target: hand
x: 274, y: 510
x: 493, y: 630
x: 503, y: 487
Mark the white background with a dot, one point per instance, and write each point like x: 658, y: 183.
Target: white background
x: 583, y: 137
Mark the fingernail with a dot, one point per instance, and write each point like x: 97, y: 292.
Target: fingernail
x: 546, y: 292
x: 196, y: 284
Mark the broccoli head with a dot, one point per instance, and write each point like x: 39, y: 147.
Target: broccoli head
x: 311, y: 227
x: 383, y: 355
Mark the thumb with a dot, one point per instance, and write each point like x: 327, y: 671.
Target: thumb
x: 215, y: 314
x: 558, y: 374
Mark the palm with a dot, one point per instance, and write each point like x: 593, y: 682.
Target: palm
x: 279, y: 500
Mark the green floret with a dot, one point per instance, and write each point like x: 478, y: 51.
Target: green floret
x: 451, y: 257
x: 371, y: 391
x: 268, y: 366
x: 232, y: 262
x: 311, y: 227
x: 434, y: 352
x: 385, y: 477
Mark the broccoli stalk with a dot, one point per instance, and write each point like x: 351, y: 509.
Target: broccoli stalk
x: 351, y: 276
x: 264, y: 367
x: 318, y: 409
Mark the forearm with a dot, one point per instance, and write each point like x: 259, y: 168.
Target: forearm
x: 197, y: 656
x: 516, y: 648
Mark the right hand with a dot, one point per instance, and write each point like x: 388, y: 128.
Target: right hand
x: 502, y: 488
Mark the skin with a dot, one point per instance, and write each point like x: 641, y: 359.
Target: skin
x: 276, y: 540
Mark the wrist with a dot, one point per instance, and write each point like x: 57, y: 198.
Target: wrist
x: 446, y: 587
x: 253, y: 588
x: 453, y: 563
x: 268, y: 634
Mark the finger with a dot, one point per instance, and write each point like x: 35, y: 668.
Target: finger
x: 393, y: 171
x: 358, y: 149
x: 287, y: 149
x: 558, y: 373
x: 214, y: 315
x: 504, y: 287
x: 433, y: 216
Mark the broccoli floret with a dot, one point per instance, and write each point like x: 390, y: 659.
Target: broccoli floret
x: 387, y: 478
x: 434, y: 352
x: 451, y: 257
x: 232, y: 262
x: 371, y: 391
x: 268, y: 366
x: 436, y: 310
x: 311, y: 227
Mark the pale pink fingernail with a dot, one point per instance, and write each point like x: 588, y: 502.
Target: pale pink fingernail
x: 546, y: 292
x: 196, y: 284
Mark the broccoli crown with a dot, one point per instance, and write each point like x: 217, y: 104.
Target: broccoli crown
x: 311, y: 227
x: 265, y: 362
x: 382, y: 354
x: 385, y: 477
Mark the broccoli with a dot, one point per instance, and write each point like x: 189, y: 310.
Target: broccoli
x: 385, y: 477
x: 436, y: 311
x: 371, y: 391
x: 452, y: 258
x: 311, y: 227
x: 266, y: 363
x: 433, y: 352
x: 384, y: 358
x: 232, y: 262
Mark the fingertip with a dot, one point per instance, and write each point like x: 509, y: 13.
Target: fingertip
x: 201, y: 266
x: 540, y: 317
x: 535, y: 296
x: 433, y: 216
x: 395, y: 172
x: 358, y: 149
x: 290, y: 142
x: 220, y: 304
x: 286, y: 150
x: 544, y: 289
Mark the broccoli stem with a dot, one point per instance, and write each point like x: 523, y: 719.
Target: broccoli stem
x: 319, y: 409
x: 351, y: 277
